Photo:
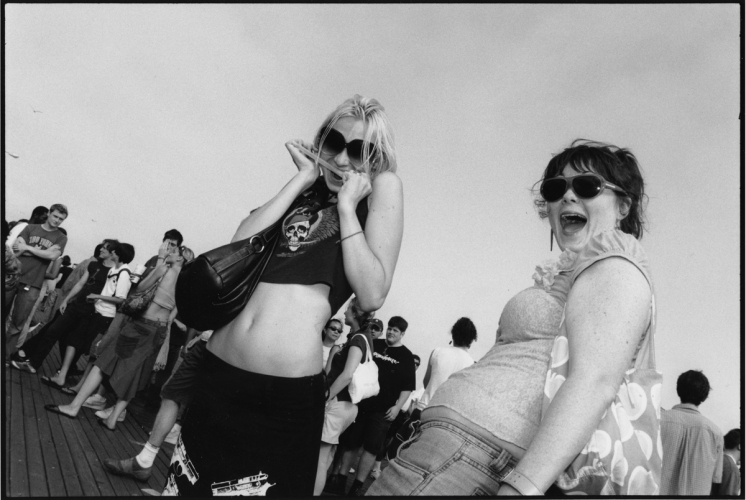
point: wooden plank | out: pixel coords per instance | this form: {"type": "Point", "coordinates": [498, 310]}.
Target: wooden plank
{"type": "Point", "coordinates": [64, 455]}
{"type": "Point", "coordinates": [104, 444]}
{"type": "Point", "coordinates": [71, 432]}
{"type": "Point", "coordinates": [55, 481]}
{"type": "Point", "coordinates": [34, 462]}
{"type": "Point", "coordinates": [18, 477]}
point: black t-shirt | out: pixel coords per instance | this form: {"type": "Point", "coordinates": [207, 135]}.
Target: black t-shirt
{"type": "Point", "coordinates": [309, 248]}
{"type": "Point", "coordinates": [396, 373]}
{"type": "Point", "coordinates": [97, 274]}
{"type": "Point", "coordinates": [65, 272]}
{"type": "Point", "coordinates": [340, 360]}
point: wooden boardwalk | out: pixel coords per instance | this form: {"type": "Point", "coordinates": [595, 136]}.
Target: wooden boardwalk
{"type": "Point", "coordinates": [51, 455]}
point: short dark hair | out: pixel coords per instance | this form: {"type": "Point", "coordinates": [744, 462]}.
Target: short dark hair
{"type": "Point", "coordinates": [398, 322]}
{"type": "Point", "coordinates": [97, 251]}
{"type": "Point", "coordinates": [693, 387]}
{"type": "Point", "coordinates": [463, 332]}
{"type": "Point", "coordinates": [39, 215]}
{"type": "Point", "coordinates": [124, 251]}
{"type": "Point", "coordinates": [66, 260]}
{"type": "Point", "coordinates": [617, 165]}
{"type": "Point", "coordinates": [173, 234]}
{"type": "Point", "coordinates": [732, 439]}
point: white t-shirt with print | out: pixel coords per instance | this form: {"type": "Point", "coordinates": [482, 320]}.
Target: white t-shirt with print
{"type": "Point", "coordinates": [117, 285]}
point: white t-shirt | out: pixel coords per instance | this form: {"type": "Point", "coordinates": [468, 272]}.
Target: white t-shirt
{"type": "Point", "coordinates": [444, 361]}
{"type": "Point", "coordinates": [325, 355]}
{"type": "Point", "coordinates": [117, 285]}
{"type": "Point", "coordinates": [13, 235]}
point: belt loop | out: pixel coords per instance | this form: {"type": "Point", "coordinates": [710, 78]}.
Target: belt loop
{"type": "Point", "coordinates": [500, 464]}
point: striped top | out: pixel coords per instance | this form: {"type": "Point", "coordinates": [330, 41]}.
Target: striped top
{"type": "Point", "coordinates": [692, 452]}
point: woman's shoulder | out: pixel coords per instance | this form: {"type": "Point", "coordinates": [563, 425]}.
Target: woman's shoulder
{"type": "Point", "coordinates": [614, 243]}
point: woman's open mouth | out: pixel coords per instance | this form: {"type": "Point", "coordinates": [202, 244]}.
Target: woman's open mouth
{"type": "Point", "coordinates": [572, 223]}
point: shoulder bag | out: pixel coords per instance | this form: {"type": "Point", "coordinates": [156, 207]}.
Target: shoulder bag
{"type": "Point", "coordinates": [364, 382]}
{"type": "Point", "coordinates": [215, 287]}
{"type": "Point", "coordinates": [137, 302]}
{"type": "Point", "coordinates": [624, 453]}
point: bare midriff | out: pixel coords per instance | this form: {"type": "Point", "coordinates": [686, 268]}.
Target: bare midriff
{"type": "Point", "coordinates": [443, 413]}
{"type": "Point", "coordinates": [278, 333]}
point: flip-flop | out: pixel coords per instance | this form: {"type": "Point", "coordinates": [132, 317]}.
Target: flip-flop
{"type": "Point", "coordinates": [69, 391]}
{"type": "Point", "coordinates": [54, 385]}
{"type": "Point", "coordinates": [102, 422]}
{"type": "Point", "coordinates": [56, 409]}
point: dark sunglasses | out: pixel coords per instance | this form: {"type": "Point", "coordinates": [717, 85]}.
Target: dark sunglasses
{"type": "Point", "coordinates": [335, 143]}
{"type": "Point", "coordinates": [338, 330]}
{"type": "Point", "coordinates": [375, 329]}
{"type": "Point", "coordinates": [586, 186]}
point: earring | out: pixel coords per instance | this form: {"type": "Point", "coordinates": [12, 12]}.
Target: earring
{"type": "Point", "coordinates": [551, 240]}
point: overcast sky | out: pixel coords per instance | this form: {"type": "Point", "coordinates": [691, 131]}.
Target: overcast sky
{"type": "Point", "coordinates": [143, 118]}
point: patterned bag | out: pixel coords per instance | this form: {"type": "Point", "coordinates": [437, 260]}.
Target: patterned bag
{"type": "Point", "coordinates": [136, 303]}
{"type": "Point", "coordinates": [624, 454]}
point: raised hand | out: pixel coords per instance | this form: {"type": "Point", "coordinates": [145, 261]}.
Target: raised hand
{"type": "Point", "coordinates": [356, 187]}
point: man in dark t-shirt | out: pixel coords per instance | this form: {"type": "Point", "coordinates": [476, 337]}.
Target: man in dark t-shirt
{"type": "Point", "coordinates": [396, 378]}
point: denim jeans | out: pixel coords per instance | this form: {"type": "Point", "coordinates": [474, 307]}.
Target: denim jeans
{"type": "Point", "coordinates": [444, 459]}
{"type": "Point", "coordinates": [25, 297]}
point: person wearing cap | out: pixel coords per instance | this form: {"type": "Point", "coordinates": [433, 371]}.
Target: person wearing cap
{"type": "Point", "coordinates": [396, 378]}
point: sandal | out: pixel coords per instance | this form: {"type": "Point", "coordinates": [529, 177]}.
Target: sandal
{"type": "Point", "coordinates": [48, 381]}
{"type": "Point", "coordinates": [56, 409]}
{"type": "Point", "coordinates": [69, 391]}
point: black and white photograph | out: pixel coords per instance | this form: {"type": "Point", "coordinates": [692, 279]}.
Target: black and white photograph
{"type": "Point", "coordinates": [301, 250]}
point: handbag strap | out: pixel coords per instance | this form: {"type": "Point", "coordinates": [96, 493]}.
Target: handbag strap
{"type": "Point", "coordinates": [368, 354]}
{"type": "Point", "coordinates": [266, 239]}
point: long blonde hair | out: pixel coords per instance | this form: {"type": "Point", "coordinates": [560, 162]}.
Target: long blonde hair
{"type": "Point", "coordinates": [381, 155]}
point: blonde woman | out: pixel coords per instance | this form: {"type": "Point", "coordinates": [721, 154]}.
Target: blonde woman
{"type": "Point", "coordinates": [256, 418]}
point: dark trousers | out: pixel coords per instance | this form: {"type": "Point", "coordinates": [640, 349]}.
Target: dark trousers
{"type": "Point", "coordinates": [38, 347]}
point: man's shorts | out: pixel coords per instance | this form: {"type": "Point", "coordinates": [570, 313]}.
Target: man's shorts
{"type": "Point", "coordinates": [369, 431]}
{"type": "Point", "coordinates": [180, 386]}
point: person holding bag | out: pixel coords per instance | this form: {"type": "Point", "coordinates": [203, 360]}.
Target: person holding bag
{"type": "Point", "coordinates": [483, 431]}
{"type": "Point", "coordinates": [341, 407]}
{"type": "Point", "coordinates": [128, 361]}
{"type": "Point", "coordinates": [258, 407]}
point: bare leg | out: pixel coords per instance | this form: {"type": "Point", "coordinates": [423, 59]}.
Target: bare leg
{"type": "Point", "coordinates": [323, 465]}
{"type": "Point", "coordinates": [77, 386]}
{"type": "Point", "coordinates": [90, 384]}
{"type": "Point", "coordinates": [60, 376]}
{"type": "Point", "coordinates": [111, 422]}
{"type": "Point", "coordinates": [347, 460]}
{"type": "Point", "coordinates": [365, 466]}
{"type": "Point", "coordinates": [164, 422]}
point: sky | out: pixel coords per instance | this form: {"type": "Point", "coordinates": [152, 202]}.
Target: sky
{"type": "Point", "coordinates": [144, 118]}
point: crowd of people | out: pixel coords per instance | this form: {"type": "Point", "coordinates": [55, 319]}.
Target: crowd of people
{"type": "Point", "coordinates": [566, 401]}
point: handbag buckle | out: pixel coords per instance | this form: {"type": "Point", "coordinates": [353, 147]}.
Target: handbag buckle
{"type": "Point", "coordinates": [251, 242]}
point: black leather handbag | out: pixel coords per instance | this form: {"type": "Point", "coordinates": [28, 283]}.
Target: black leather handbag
{"type": "Point", "coordinates": [215, 287]}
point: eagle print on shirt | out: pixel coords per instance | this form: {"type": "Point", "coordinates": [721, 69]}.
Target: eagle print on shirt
{"type": "Point", "coordinates": [305, 227]}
